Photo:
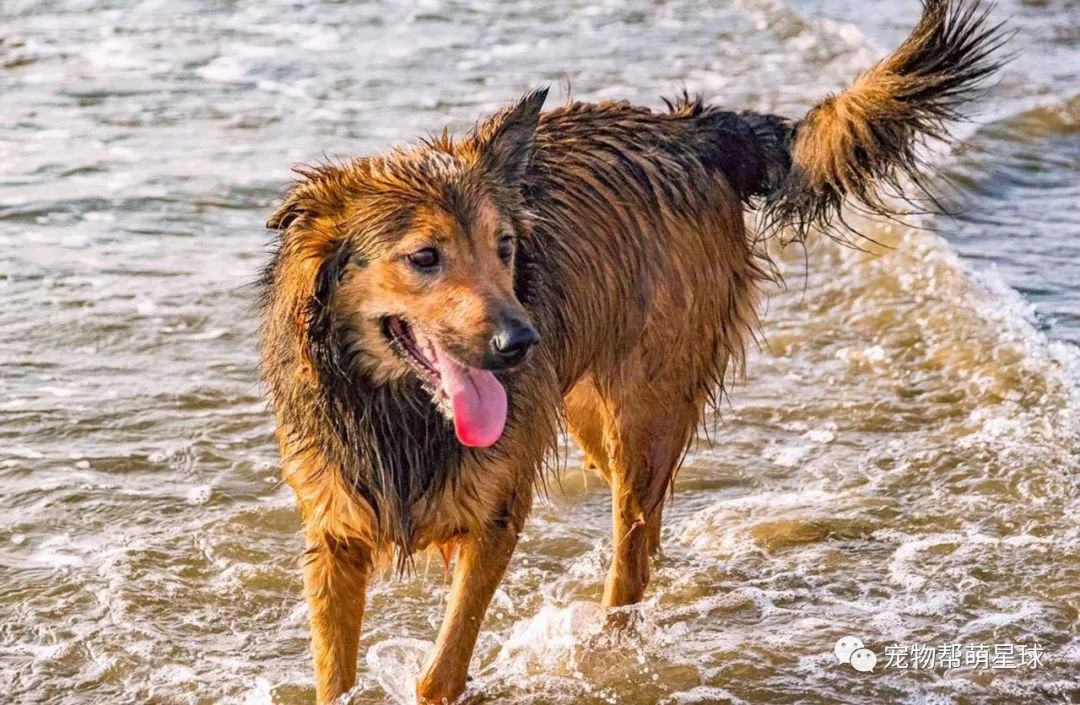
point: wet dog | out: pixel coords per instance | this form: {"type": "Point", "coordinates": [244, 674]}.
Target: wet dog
{"type": "Point", "coordinates": [432, 317]}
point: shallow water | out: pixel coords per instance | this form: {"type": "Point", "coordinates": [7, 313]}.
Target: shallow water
{"type": "Point", "coordinates": [900, 463]}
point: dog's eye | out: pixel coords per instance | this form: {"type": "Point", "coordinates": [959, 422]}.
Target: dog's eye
{"type": "Point", "coordinates": [425, 260]}
{"type": "Point", "coordinates": [506, 247]}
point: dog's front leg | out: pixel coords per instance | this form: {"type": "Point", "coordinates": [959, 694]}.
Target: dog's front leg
{"type": "Point", "coordinates": [335, 582]}
{"type": "Point", "coordinates": [482, 560]}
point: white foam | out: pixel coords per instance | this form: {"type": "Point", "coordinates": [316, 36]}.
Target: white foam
{"type": "Point", "coordinates": [787, 456]}
{"type": "Point", "coordinates": [261, 693]}
{"type": "Point", "coordinates": [721, 526]}
{"type": "Point", "coordinates": [907, 555]}
{"type": "Point", "coordinates": [825, 434]}
{"type": "Point", "coordinates": [705, 694]}
{"type": "Point", "coordinates": [223, 69]}
{"type": "Point", "coordinates": [199, 494]}
{"type": "Point", "coordinates": [1013, 611]}
{"type": "Point", "coordinates": [548, 638]}
{"type": "Point", "coordinates": [396, 665]}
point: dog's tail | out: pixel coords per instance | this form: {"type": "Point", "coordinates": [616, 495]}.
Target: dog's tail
{"type": "Point", "coordinates": [862, 143]}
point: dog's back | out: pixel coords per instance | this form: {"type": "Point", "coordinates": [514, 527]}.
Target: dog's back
{"type": "Point", "coordinates": [638, 233]}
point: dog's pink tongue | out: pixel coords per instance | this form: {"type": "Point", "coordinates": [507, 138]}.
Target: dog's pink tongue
{"type": "Point", "coordinates": [478, 400]}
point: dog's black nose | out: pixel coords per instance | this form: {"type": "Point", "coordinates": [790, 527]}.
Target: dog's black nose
{"type": "Point", "coordinates": [513, 343]}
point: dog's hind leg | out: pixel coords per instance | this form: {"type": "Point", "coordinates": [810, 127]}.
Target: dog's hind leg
{"type": "Point", "coordinates": [635, 439]}
{"type": "Point", "coordinates": [655, 523]}
{"type": "Point", "coordinates": [645, 443]}
{"type": "Point", "coordinates": [585, 415]}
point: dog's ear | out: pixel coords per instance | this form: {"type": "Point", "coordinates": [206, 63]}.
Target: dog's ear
{"type": "Point", "coordinates": [294, 205]}
{"type": "Point", "coordinates": [312, 257]}
{"type": "Point", "coordinates": [318, 191]}
{"type": "Point", "coordinates": [504, 142]}
{"type": "Point", "coordinates": [284, 215]}
{"type": "Point", "coordinates": [323, 348]}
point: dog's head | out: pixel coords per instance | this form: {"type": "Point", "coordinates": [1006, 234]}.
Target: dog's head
{"type": "Point", "coordinates": [407, 262]}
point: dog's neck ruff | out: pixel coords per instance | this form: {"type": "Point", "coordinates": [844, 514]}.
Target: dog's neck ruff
{"type": "Point", "coordinates": [393, 446]}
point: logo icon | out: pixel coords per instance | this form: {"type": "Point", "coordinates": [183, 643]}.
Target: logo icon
{"type": "Point", "coordinates": [851, 650]}
{"type": "Point", "coordinates": [863, 660]}
{"type": "Point", "coordinates": [846, 647]}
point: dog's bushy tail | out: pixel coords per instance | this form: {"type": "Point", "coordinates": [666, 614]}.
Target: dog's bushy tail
{"type": "Point", "coordinates": [861, 144]}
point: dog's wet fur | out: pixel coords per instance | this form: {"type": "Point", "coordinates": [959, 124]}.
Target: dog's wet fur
{"type": "Point", "coordinates": [612, 232]}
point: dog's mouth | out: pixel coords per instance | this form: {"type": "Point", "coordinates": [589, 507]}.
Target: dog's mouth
{"type": "Point", "coordinates": [472, 398]}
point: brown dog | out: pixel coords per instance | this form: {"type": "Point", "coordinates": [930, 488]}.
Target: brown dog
{"type": "Point", "coordinates": [433, 316]}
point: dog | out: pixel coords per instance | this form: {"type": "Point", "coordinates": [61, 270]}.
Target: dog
{"type": "Point", "coordinates": [434, 316]}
